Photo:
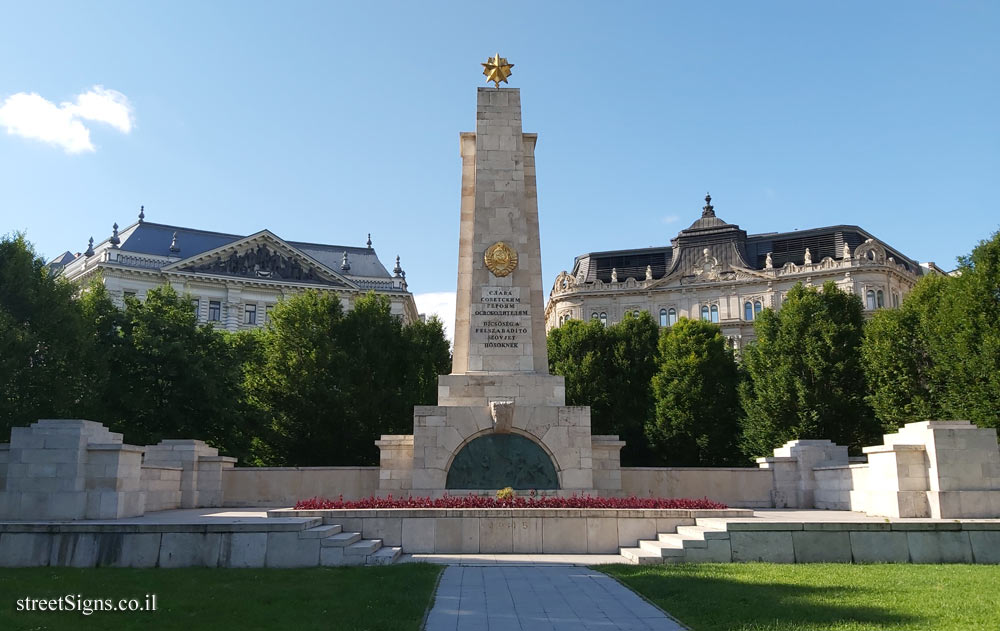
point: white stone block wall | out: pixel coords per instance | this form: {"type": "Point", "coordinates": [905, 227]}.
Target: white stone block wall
{"type": "Point", "coordinates": [793, 464]}
{"type": "Point", "coordinates": [162, 486]}
{"type": "Point", "coordinates": [395, 463]}
{"type": "Point", "coordinates": [70, 469]}
{"type": "Point", "coordinates": [607, 463]}
{"type": "Point", "coordinates": [960, 477]}
{"type": "Point", "coordinates": [835, 485]}
{"type": "Point", "coordinates": [201, 469]}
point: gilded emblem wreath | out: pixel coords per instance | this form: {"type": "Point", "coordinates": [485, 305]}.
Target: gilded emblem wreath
{"type": "Point", "coordinates": [501, 259]}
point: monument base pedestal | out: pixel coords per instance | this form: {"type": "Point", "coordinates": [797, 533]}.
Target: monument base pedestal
{"type": "Point", "coordinates": [547, 448]}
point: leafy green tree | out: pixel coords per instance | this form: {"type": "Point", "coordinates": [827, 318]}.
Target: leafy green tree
{"type": "Point", "coordinates": [905, 384]}
{"type": "Point", "coordinates": [965, 343]}
{"type": "Point", "coordinates": [330, 383]}
{"type": "Point", "coordinates": [298, 386]}
{"type": "Point", "coordinates": [633, 353]}
{"type": "Point", "coordinates": [171, 377]}
{"type": "Point", "coordinates": [429, 355]}
{"type": "Point", "coordinates": [697, 419]}
{"type": "Point", "coordinates": [42, 340]}
{"type": "Point", "coordinates": [609, 369]}
{"type": "Point", "coordinates": [804, 374]}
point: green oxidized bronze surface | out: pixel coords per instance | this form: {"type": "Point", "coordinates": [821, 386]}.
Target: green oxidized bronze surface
{"type": "Point", "coordinates": [496, 461]}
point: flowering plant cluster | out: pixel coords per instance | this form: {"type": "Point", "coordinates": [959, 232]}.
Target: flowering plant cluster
{"type": "Point", "coordinates": [486, 501]}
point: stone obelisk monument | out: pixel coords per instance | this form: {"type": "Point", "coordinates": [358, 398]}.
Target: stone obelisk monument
{"type": "Point", "coordinates": [501, 418]}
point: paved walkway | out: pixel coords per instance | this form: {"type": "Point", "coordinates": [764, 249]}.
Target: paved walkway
{"type": "Point", "coordinates": [533, 598]}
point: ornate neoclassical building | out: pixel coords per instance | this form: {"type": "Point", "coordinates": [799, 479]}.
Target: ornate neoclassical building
{"type": "Point", "coordinates": [715, 271]}
{"type": "Point", "coordinates": [232, 280]}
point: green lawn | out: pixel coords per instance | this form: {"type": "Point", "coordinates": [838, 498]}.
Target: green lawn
{"type": "Point", "coordinates": [384, 598]}
{"type": "Point", "coordinates": [759, 596]}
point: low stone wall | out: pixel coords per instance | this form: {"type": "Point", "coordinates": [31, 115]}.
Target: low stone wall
{"type": "Point", "coordinates": [154, 545]}
{"type": "Point", "coordinates": [896, 542]}
{"type": "Point", "coordinates": [746, 488]}
{"type": "Point", "coordinates": [283, 486]}
{"type": "Point", "coordinates": [510, 531]}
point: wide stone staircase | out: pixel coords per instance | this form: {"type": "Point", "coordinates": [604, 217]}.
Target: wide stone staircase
{"type": "Point", "coordinates": [705, 542]}
{"type": "Point", "coordinates": [337, 547]}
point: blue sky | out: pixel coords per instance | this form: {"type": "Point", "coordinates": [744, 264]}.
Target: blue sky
{"type": "Point", "coordinates": [326, 121]}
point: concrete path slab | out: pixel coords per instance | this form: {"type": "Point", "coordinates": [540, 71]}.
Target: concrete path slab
{"type": "Point", "coordinates": [537, 598]}
{"type": "Point", "coordinates": [513, 559]}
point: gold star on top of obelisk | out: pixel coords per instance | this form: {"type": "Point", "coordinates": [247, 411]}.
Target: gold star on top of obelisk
{"type": "Point", "coordinates": [497, 69]}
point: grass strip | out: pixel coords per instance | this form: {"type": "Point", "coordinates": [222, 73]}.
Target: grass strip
{"type": "Point", "coordinates": [821, 596]}
{"type": "Point", "coordinates": [392, 598]}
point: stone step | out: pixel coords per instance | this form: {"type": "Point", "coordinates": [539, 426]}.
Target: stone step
{"type": "Point", "coordinates": [320, 532]}
{"type": "Point", "coordinates": [363, 548]}
{"type": "Point", "coordinates": [663, 549]}
{"type": "Point", "coordinates": [702, 532]}
{"type": "Point", "coordinates": [386, 555]}
{"type": "Point", "coordinates": [639, 556]}
{"type": "Point", "coordinates": [340, 539]}
{"type": "Point", "coordinates": [711, 523]}
{"type": "Point", "coordinates": [681, 541]}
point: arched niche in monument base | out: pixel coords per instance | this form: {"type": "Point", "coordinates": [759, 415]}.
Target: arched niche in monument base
{"type": "Point", "coordinates": [496, 461]}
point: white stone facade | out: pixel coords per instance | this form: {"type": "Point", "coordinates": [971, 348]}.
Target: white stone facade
{"type": "Point", "coordinates": [714, 272]}
{"type": "Point", "coordinates": [233, 281]}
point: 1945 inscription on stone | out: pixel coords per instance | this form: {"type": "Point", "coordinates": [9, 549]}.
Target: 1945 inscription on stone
{"type": "Point", "coordinates": [500, 319]}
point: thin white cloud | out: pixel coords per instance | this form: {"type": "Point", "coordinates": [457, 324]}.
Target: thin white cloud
{"type": "Point", "coordinates": [441, 304]}
{"type": "Point", "coordinates": [30, 115]}
{"type": "Point", "coordinates": [105, 106]}
{"type": "Point", "coordinates": [670, 218]}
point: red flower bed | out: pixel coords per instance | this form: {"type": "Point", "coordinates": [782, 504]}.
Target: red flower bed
{"type": "Point", "coordinates": [485, 501]}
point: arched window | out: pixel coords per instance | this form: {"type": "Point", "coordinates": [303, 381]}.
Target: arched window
{"type": "Point", "coordinates": [636, 313]}
{"type": "Point", "coordinates": [593, 316]}
{"type": "Point", "coordinates": [880, 300]}
{"type": "Point", "coordinates": [663, 317]}
{"type": "Point", "coordinates": [756, 308]}
{"type": "Point", "coordinates": [672, 317]}
{"type": "Point", "coordinates": [870, 300]}
{"type": "Point", "coordinates": [715, 313]}
{"type": "Point", "coordinates": [748, 311]}
{"type": "Point", "coordinates": [895, 300]}
{"type": "Point", "coordinates": [704, 313]}
{"type": "Point", "coordinates": [604, 318]}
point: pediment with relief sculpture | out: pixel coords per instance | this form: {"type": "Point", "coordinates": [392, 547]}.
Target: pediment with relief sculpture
{"type": "Point", "coordinates": [261, 257]}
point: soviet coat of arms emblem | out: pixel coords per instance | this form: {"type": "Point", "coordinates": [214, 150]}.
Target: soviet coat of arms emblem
{"type": "Point", "coordinates": [501, 259]}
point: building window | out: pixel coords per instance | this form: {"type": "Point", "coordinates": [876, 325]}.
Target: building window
{"type": "Point", "coordinates": [604, 318]}
{"type": "Point", "coordinates": [870, 300]}
{"type": "Point", "coordinates": [663, 317]}
{"type": "Point", "coordinates": [594, 316]}
{"type": "Point", "coordinates": [129, 294]}
{"type": "Point", "coordinates": [267, 313]}
{"type": "Point", "coordinates": [756, 308]}
{"type": "Point", "coordinates": [251, 314]}
{"type": "Point", "coordinates": [672, 317]}
{"type": "Point", "coordinates": [196, 306]}
{"type": "Point", "coordinates": [704, 313]}
{"type": "Point", "coordinates": [635, 313]}
{"type": "Point", "coordinates": [748, 311]}
{"type": "Point", "coordinates": [895, 300]}
{"type": "Point", "coordinates": [214, 311]}
{"type": "Point", "coordinates": [715, 313]}
{"type": "Point", "coordinates": [880, 299]}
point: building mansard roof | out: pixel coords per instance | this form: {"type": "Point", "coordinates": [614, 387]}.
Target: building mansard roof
{"type": "Point", "coordinates": [711, 240]}
{"type": "Point", "coordinates": [262, 256]}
